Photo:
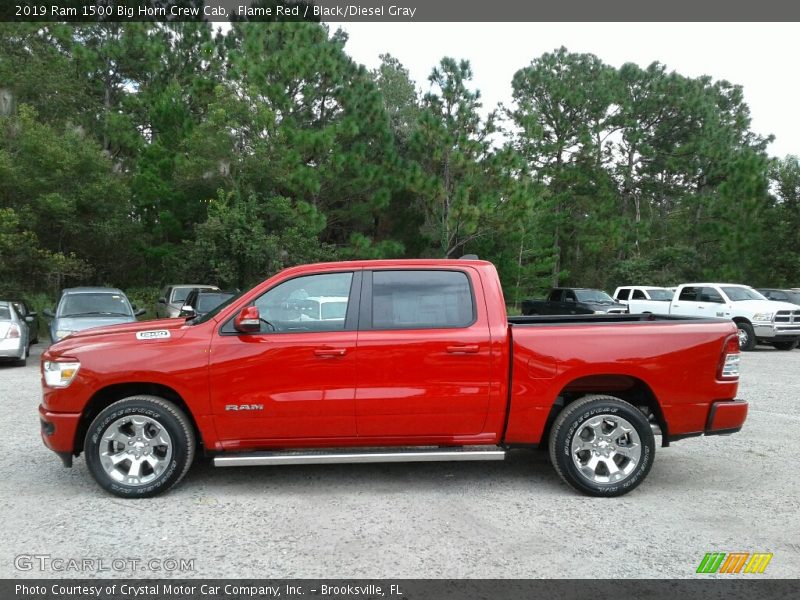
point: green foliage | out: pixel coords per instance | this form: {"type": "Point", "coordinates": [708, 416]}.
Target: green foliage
{"type": "Point", "coordinates": [142, 154]}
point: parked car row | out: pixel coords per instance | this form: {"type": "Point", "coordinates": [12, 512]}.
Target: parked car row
{"type": "Point", "coordinates": [769, 316]}
{"type": "Point", "coordinates": [18, 331]}
{"type": "Point", "coordinates": [81, 308]}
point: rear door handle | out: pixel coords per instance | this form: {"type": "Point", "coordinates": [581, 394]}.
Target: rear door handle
{"type": "Point", "coordinates": [330, 352]}
{"type": "Point", "coordinates": [468, 349]}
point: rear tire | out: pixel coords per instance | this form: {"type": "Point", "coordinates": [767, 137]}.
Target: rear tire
{"type": "Point", "coordinates": [747, 336]}
{"type": "Point", "coordinates": [785, 345]}
{"type": "Point", "coordinates": [140, 446]}
{"type": "Point", "coordinates": [602, 446]}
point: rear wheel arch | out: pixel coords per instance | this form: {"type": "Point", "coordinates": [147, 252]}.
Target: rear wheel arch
{"type": "Point", "coordinates": [627, 388]}
{"type": "Point", "coordinates": [107, 396]}
{"type": "Point", "coordinates": [602, 445]}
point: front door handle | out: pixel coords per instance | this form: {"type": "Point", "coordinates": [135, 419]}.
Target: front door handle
{"type": "Point", "coordinates": [330, 352]}
{"type": "Point", "coordinates": [468, 349]}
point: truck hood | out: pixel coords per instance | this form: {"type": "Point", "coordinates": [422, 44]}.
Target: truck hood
{"type": "Point", "coordinates": [149, 331]}
{"type": "Point", "coordinates": [762, 306]}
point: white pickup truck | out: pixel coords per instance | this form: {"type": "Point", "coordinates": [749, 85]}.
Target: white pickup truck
{"type": "Point", "coordinates": [758, 319]}
{"type": "Point", "coordinates": [644, 299]}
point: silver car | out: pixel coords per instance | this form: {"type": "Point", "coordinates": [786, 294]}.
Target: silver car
{"type": "Point", "coordinates": [173, 298]}
{"type": "Point", "coordinates": [84, 307]}
{"type": "Point", "coordinates": [15, 338]}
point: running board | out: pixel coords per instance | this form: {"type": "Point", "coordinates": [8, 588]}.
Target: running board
{"type": "Point", "coordinates": [371, 455]}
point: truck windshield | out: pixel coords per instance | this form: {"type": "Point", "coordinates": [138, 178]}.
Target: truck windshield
{"type": "Point", "coordinates": [593, 296]}
{"type": "Point", "coordinates": [660, 294]}
{"type": "Point", "coordinates": [737, 294]}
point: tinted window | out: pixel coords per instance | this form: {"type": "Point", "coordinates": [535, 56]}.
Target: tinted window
{"type": "Point", "coordinates": [180, 294]}
{"type": "Point", "coordinates": [420, 299]}
{"type": "Point", "coordinates": [638, 295]}
{"type": "Point", "coordinates": [294, 306]}
{"type": "Point", "coordinates": [738, 294]}
{"type": "Point", "coordinates": [688, 294]}
{"type": "Point", "coordinates": [94, 304]}
{"type": "Point", "coordinates": [623, 294]}
{"type": "Point", "coordinates": [656, 294]}
{"type": "Point", "coordinates": [5, 313]}
{"type": "Point", "coordinates": [594, 296]}
{"type": "Point", "coordinates": [708, 294]}
{"type": "Point", "coordinates": [206, 302]}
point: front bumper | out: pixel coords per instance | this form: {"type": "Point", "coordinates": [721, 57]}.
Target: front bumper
{"type": "Point", "coordinates": [777, 331]}
{"type": "Point", "coordinates": [58, 432]}
{"type": "Point", "coordinates": [726, 417]}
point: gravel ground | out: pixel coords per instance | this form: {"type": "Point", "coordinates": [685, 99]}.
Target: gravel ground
{"type": "Point", "coordinates": [511, 519]}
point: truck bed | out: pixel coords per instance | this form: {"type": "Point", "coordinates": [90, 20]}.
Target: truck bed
{"type": "Point", "coordinates": [662, 360]}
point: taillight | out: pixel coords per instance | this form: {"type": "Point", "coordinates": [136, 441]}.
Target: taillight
{"type": "Point", "coordinates": [729, 361]}
{"type": "Point", "coordinates": [13, 332]}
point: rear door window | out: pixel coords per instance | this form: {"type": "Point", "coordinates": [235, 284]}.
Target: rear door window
{"type": "Point", "coordinates": [639, 295]}
{"type": "Point", "coordinates": [421, 299]}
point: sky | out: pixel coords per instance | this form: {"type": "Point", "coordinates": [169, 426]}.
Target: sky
{"type": "Point", "coordinates": [761, 57]}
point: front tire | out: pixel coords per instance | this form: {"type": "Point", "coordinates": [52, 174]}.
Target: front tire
{"type": "Point", "coordinates": [140, 446]}
{"type": "Point", "coordinates": [602, 446]}
{"type": "Point", "coordinates": [785, 345]}
{"type": "Point", "coordinates": [747, 336]}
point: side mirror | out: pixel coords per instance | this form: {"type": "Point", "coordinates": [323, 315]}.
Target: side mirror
{"type": "Point", "coordinates": [139, 312]}
{"type": "Point", "coordinates": [248, 320]}
{"type": "Point", "coordinates": [29, 319]}
{"type": "Point", "coordinates": [162, 300]}
{"type": "Point", "coordinates": [187, 311]}
{"type": "Point", "coordinates": [32, 314]}
{"type": "Point", "coordinates": [49, 313]}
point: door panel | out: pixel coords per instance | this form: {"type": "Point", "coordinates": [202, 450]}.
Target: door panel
{"type": "Point", "coordinates": [417, 378]}
{"type": "Point", "coordinates": [296, 378]}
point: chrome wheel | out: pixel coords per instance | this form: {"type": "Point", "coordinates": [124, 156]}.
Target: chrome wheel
{"type": "Point", "coordinates": [743, 338]}
{"type": "Point", "coordinates": [135, 450]}
{"type": "Point", "coordinates": [606, 449]}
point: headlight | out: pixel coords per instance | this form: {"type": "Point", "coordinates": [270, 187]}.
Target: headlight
{"type": "Point", "coordinates": [762, 317]}
{"type": "Point", "coordinates": [62, 333]}
{"type": "Point", "coordinates": [60, 374]}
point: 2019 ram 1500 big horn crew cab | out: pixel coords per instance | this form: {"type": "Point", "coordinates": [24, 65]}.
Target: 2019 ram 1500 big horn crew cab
{"type": "Point", "coordinates": [423, 365]}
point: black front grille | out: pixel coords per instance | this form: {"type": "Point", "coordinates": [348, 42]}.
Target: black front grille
{"type": "Point", "coordinates": [787, 316]}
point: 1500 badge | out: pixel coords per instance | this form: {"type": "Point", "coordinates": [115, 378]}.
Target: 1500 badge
{"type": "Point", "coordinates": [244, 407]}
{"type": "Point", "coordinates": [153, 334]}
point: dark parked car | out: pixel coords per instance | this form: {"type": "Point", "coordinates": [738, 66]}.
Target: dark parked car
{"type": "Point", "coordinates": [791, 296]}
{"type": "Point", "coordinates": [84, 307]}
{"type": "Point", "coordinates": [573, 301]}
{"type": "Point", "coordinates": [33, 323]}
{"type": "Point", "coordinates": [14, 334]}
{"type": "Point", "coordinates": [201, 301]}
{"type": "Point", "coordinates": [173, 298]}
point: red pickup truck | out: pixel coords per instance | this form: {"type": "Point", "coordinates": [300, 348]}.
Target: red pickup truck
{"type": "Point", "coordinates": [386, 361]}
